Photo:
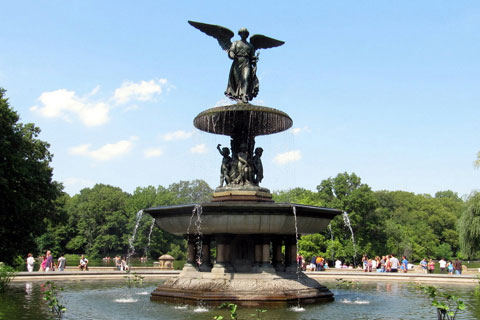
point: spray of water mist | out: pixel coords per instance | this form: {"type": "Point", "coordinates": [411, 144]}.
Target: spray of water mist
{"type": "Point", "coordinates": [346, 220]}
{"type": "Point", "coordinates": [131, 240]}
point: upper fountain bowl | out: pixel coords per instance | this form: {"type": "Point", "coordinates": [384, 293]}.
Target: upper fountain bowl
{"type": "Point", "coordinates": [246, 217]}
{"type": "Point", "coordinates": [243, 119]}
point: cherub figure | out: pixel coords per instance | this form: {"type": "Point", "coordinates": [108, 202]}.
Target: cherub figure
{"type": "Point", "coordinates": [244, 170]}
{"type": "Point", "coordinates": [257, 166]}
{"type": "Point", "coordinates": [225, 168]}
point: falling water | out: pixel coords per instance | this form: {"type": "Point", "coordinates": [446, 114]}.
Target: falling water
{"type": "Point", "coordinates": [331, 237]}
{"type": "Point", "coordinates": [198, 225]}
{"type": "Point", "coordinates": [131, 240]}
{"type": "Point", "coordinates": [197, 212]}
{"type": "Point", "coordinates": [346, 220]}
{"type": "Point", "coordinates": [149, 237]}
{"type": "Point", "coordinates": [294, 209]}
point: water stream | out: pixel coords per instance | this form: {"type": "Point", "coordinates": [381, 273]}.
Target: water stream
{"type": "Point", "coordinates": [197, 213]}
{"type": "Point", "coordinates": [331, 237]}
{"type": "Point", "coordinates": [298, 307]}
{"type": "Point", "coordinates": [346, 220]}
{"type": "Point", "coordinates": [131, 240]}
{"type": "Point", "coordinates": [149, 237]}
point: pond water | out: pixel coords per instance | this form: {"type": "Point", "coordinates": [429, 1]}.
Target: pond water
{"type": "Point", "coordinates": [113, 300]}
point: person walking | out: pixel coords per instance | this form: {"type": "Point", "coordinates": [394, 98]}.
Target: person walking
{"type": "Point", "coordinates": [394, 263]}
{"type": "Point", "coordinates": [49, 263]}
{"type": "Point", "coordinates": [442, 264]}
{"type": "Point", "coordinates": [431, 266]}
{"type": "Point", "coordinates": [450, 267]}
{"type": "Point", "coordinates": [424, 265]}
{"type": "Point", "coordinates": [30, 262]}
{"type": "Point", "coordinates": [61, 263]}
{"type": "Point", "coordinates": [457, 265]}
{"type": "Point", "coordinates": [404, 264]}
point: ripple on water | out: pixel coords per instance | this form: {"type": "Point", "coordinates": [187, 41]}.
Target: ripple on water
{"type": "Point", "coordinates": [200, 309]}
{"type": "Point", "coordinates": [144, 293]}
{"type": "Point", "coordinates": [357, 301]}
{"type": "Point", "coordinates": [180, 307]}
{"type": "Point", "coordinates": [128, 300]}
{"type": "Point", "coordinates": [296, 309]}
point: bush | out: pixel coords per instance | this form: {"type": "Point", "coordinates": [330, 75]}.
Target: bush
{"type": "Point", "coordinates": [6, 275]}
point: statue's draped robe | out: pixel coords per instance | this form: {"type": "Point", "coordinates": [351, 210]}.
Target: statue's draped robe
{"type": "Point", "coordinates": [242, 81]}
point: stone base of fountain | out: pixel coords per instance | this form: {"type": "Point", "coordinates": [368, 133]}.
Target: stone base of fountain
{"type": "Point", "coordinates": [250, 289]}
{"type": "Point", "coordinates": [242, 193]}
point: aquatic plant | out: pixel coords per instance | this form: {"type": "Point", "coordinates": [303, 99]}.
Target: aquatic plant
{"type": "Point", "coordinates": [50, 294]}
{"type": "Point", "coordinates": [6, 275]}
{"type": "Point", "coordinates": [135, 280]}
{"type": "Point", "coordinates": [447, 305]}
{"type": "Point", "coordinates": [258, 315]}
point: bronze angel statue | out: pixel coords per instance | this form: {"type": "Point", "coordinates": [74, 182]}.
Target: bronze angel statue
{"type": "Point", "coordinates": [242, 81]}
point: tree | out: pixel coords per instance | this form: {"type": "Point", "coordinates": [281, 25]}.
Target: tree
{"type": "Point", "coordinates": [476, 163]}
{"type": "Point", "coordinates": [27, 192]}
{"type": "Point", "coordinates": [469, 226]}
{"type": "Point", "coordinates": [195, 191]}
{"type": "Point", "coordinates": [160, 242]}
{"type": "Point", "coordinates": [346, 192]}
{"type": "Point", "coordinates": [99, 221]}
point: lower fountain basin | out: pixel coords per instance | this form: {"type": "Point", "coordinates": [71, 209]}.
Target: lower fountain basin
{"type": "Point", "coordinates": [244, 218]}
{"type": "Point", "coordinates": [247, 289]}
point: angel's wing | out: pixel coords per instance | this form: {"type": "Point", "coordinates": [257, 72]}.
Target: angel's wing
{"type": "Point", "coordinates": [262, 42]}
{"type": "Point", "coordinates": [222, 34]}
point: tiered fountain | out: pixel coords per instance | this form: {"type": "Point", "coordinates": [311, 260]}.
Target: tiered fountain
{"type": "Point", "coordinates": [255, 238]}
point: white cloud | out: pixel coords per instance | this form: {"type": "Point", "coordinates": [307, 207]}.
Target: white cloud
{"type": "Point", "coordinates": [142, 91]}
{"type": "Point", "coordinates": [106, 152]}
{"type": "Point", "coordinates": [286, 157]}
{"type": "Point", "coordinates": [177, 135]}
{"type": "Point", "coordinates": [68, 105]}
{"type": "Point", "coordinates": [153, 152]}
{"type": "Point", "coordinates": [131, 108]}
{"type": "Point", "coordinates": [297, 131]}
{"type": "Point", "coordinates": [199, 149]}
{"type": "Point", "coordinates": [64, 103]}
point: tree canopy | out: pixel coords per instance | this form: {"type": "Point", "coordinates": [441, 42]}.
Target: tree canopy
{"type": "Point", "coordinates": [27, 193]}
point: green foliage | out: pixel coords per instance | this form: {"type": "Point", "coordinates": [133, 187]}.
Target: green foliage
{"type": "Point", "coordinates": [477, 288]}
{"type": "Point", "coordinates": [6, 275]}
{"type": "Point", "coordinates": [134, 280]}
{"type": "Point", "coordinates": [50, 294]}
{"type": "Point", "coordinates": [232, 308]}
{"type": "Point", "coordinates": [258, 314]}
{"type": "Point", "coordinates": [19, 263]}
{"type": "Point", "coordinates": [195, 191]}
{"type": "Point", "coordinates": [27, 192]}
{"type": "Point", "coordinates": [447, 305]}
{"type": "Point", "coordinates": [469, 226]}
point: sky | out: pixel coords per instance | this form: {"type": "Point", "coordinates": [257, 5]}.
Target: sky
{"type": "Point", "coordinates": [389, 90]}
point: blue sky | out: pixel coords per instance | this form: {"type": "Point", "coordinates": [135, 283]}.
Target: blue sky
{"type": "Point", "coordinates": [386, 89]}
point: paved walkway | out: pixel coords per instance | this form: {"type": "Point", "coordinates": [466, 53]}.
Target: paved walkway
{"type": "Point", "coordinates": [154, 273]}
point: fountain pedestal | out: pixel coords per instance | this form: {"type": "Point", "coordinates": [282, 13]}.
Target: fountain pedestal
{"type": "Point", "coordinates": [250, 267]}
{"type": "Point", "coordinates": [249, 230]}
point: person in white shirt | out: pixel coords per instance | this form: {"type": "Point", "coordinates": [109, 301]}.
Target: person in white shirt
{"type": "Point", "coordinates": [443, 264]}
{"type": "Point", "coordinates": [338, 264]}
{"type": "Point", "coordinates": [83, 263]}
{"type": "Point", "coordinates": [30, 262]}
{"type": "Point", "coordinates": [394, 262]}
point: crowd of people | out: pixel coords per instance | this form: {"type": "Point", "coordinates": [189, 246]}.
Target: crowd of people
{"type": "Point", "coordinates": [388, 263]}
{"type": "Point", "coordinates": [48, 263]}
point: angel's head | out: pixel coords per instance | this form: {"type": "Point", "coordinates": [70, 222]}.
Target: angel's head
{"type": "Point", "coordinates": [243, 32]}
